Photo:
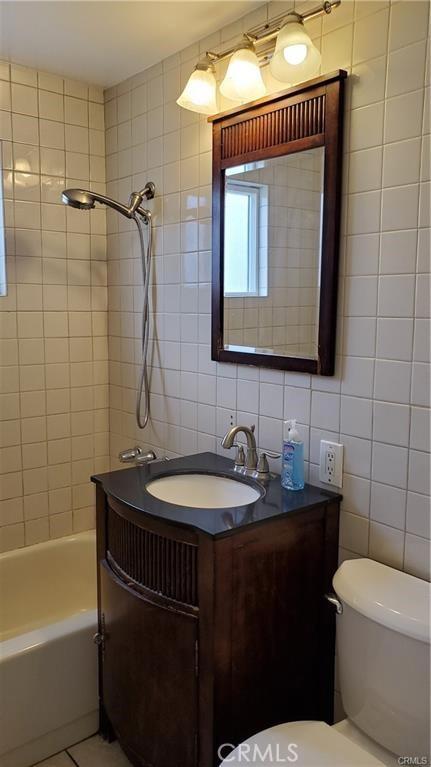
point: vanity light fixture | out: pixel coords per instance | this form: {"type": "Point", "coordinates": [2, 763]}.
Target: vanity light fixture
{"type": "Point", "coordinates": [294, 59]}
{"type": "Point", "coordinates": [200, 93]}
{"type": "Point", "coordinates": [243, 79]}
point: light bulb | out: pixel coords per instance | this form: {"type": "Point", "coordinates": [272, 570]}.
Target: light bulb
{"type": "Point", "coordinates": [199, 91]}
{"type": "Point", "coordinates": [295, 57]}
{"type": "Point", "coordinates": [295, 54]}
{"type": "Point", "coordinates": [243, 79]}
{"type": "Point", "coordinates": [199, 95]}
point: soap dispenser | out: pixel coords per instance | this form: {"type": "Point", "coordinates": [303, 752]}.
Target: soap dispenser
{"type": "Point", "coordinates": [292, 470]}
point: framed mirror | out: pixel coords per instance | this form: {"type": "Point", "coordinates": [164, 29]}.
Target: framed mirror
{"type": "Point", "coordinates": [276, 213]}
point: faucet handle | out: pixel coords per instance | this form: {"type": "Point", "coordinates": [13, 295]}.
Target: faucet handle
{"type": "Point", "coordinates": [252, 428]}
{"type": "Point", "coordinates": [272, 455]}
{"type": "Point", "coordinates": [262, 470]}
{"type": "Point", "coordinates": [145, 458]}
{"type": "Point", "coordinates": [130, 454]}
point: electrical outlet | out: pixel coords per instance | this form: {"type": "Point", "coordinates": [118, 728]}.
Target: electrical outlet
{"type": "Point", "coordinates": [331, 463]}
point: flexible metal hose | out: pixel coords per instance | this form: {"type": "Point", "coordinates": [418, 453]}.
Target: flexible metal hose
{"type": "Point", "coordinates": [146, 252]}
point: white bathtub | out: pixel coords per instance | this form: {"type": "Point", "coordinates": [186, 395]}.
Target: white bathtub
{"type": "Point", "coordinates": [48, 662]}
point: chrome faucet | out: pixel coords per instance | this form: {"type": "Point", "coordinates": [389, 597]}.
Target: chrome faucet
{"type": "Point", "coordinates": [136, 455]}
{"type": "Point", "coordinates": [251, 464]}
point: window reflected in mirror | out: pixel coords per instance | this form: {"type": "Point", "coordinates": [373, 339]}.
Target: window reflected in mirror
{"type": "Point", "coordinates": [272, 254]}
{"type": "Point", "coordinates": [3, 286]}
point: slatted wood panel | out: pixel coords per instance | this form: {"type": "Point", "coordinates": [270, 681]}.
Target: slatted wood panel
{"type": "Point", "coordinates": [163, 565]}
{"type": "Point", "coordinates": [290, 123]}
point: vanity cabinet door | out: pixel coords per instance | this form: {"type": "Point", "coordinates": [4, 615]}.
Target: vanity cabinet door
{"type": "Point", "coordinates": [149, 675]}
{"type": "Point", "coordinates": [279, 652]}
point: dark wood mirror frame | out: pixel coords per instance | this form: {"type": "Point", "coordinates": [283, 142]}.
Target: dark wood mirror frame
{"type": "Point", "coordinates": [300, 118]}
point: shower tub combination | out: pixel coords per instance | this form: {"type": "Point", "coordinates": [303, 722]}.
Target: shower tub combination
{"type": "Point", "coordinates": [48, 613]}
{"type": "Point", "coordinates": [48, 662]}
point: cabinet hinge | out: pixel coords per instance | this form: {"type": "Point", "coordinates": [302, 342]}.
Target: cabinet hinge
{"type": "Point", "coordinates": [99, 637]}
{"type": "Point", "coordinates": [196, 658]}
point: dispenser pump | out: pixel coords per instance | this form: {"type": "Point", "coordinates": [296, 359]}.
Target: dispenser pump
{"type": "Point", "coordinates": [291, 432]}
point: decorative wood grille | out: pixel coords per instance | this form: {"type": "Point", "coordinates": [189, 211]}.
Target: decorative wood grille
{"type": "Point", "coordinates": [290, 123]}
{"type": "Point", "coordinates": [163, 565]}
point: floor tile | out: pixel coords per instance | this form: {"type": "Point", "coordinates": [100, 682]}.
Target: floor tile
{"type": "Point", "coordinates": [96, 752]}
{"type": "Point", "coordinates": [59, 760]}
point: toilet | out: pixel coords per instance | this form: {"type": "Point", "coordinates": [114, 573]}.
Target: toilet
{"type": "Point", "coordinates": [383, 647]}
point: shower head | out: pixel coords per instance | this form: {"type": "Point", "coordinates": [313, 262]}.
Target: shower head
{"type": "Point", "coordinates": [78, 198]}
{"type": "Point", "coordinates": [83, 199]}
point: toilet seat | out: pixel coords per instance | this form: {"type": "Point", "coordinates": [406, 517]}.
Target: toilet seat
{"type": "Point", "coordinates": [318, 745]}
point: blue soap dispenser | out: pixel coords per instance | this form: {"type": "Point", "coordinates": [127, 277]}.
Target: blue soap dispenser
{"type": "Point", "coordinates": [292, 470]}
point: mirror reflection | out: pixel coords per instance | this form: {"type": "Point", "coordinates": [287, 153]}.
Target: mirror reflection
{"type": "Point", "coordinates": [272, 249]}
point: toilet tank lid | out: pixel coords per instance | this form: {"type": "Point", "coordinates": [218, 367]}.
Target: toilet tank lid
{"type": "Point", "coordinates": [394, 599]}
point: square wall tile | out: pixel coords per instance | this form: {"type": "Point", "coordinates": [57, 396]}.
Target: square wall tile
{"type": "Point", "coordinates": [401, 162]}
{"type": "Point", "coordinates": [403, 116]}
{"type": "Point", "coordinates": [391, 423]}
{"type": "Point", "coordinates": [417, 557]}
{"type": "Point", "coordinates": [371, 36]}
{"type": "Point", "coordinates": [396, 296]}
{"type": "Point", "coordinates": [400, 207]}
{"type": "Point", "coordinates": [388, 505]}
{"type": "Point", "coordinates": [390, 465]}
{"type": "Point", "coordinates": [395, 339]}
{"type": "Point", "coordinates": [386, 545]}
{"type": "Point", "coordinates": [409, 22]}
{"type": "Point", "coordinates": [406, 68]}
{"type": "Point", "coordinates": [366, 129]}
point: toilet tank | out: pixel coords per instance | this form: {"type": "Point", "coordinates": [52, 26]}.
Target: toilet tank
{"type": "Point", "coordinates": [383, 645]}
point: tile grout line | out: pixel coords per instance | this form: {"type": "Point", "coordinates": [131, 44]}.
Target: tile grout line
{"type": "Point", "coordinates": [376, 330]}
{"type": "Point", "coordinates": [71, 757]}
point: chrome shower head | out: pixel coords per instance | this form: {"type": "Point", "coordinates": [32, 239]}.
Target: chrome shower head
{"type": "Point", "coordinates": [78, 198]}
{"type": "Point", "coordinates": [83, 199]}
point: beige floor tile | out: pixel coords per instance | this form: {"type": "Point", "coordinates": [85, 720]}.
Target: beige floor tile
{"type": "Point", "coordinates": [95, 752]}
{"type": "Point", "coordinates": [59, 760]}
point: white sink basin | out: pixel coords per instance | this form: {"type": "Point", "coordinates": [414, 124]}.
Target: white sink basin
{"type": "Point", "coordinates": [203, 491]}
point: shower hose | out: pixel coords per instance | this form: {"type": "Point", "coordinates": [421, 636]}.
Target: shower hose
{"type": "Point", "coordinates": [143, 397]}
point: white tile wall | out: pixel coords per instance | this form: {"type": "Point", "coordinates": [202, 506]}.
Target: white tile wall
{"type": "Point", "coordinates": [377, 402]}
{"type": "Point", "coordinates": [53, 322]}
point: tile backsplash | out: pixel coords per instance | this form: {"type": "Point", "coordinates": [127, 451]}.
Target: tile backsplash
{"type": "Point", "coordinates": [377, 403]}
{"type": "Point", "coordinates": [53, 322]}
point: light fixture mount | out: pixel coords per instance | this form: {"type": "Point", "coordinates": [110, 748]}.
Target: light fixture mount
{"type": "Point", "coordinates": [294, 16]}
{"type": "Point", "coordinates": [206, 63]}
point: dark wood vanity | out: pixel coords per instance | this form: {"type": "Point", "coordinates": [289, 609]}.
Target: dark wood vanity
{"type": "Point", "coordinates": [212, 623]}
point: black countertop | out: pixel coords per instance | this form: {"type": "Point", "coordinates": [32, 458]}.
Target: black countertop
{"type": "Point", "coordinates": [129, 486]}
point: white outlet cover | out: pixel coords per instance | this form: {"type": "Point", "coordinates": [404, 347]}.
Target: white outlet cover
{"type": "Point", "coordinates": [331, 463]}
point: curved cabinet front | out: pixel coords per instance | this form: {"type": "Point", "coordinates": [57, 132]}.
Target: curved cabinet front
{"type": "Point", "coordinates": [148, 670]}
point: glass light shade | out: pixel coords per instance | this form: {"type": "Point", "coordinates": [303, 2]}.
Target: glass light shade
{"type": "Point", "coordinates": [243, 79]}
{"type": "Point", "coordinates": [200, 94]}
{"type": "Point", "coordinates": [295, 57]}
